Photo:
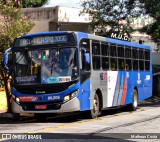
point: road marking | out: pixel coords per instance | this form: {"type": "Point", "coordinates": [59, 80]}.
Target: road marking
{"type": "Point", "coordinates": [49, 129]}
{"type": "Point", "coordinates": [66, 125]}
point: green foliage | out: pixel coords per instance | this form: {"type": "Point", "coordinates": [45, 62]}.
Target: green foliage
{"type": "Point", "coordinates": [12, 25]}
{"type": "Point", "coordinates": [153, 30]}
{"type": "Point", "coordinates": [26, 3]}
{"type": "Point", "coordinates": [153, 10]}
{"type": "Point", "coordinates": [112, 13]}
{"type": "Point", "coordinates": [33, 3]}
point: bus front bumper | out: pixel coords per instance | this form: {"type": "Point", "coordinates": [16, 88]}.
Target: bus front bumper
{"type": "Point", "coordinates": [70, 106]}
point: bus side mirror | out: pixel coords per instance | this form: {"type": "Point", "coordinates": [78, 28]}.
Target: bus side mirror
{"type": "Point", "coordinates": [6, 59]}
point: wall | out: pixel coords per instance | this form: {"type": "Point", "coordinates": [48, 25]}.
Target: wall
{"type": "Point", "coordinates": [47, 19]}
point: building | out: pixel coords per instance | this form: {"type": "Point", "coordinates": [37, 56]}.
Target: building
{"type": "Point", "coordinates": [57, 18]}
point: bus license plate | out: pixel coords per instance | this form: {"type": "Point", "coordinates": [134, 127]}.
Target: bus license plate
{"type": "Point", "coordinates": [40, 106]}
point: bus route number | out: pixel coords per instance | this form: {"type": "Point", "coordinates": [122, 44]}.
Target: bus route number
{"type": "Point", "coordinates": [50, 98]}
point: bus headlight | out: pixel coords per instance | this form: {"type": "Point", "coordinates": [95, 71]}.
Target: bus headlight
{"type": "Point", "coordinates": [66, 98]}
{"type": "Point", "coordinates": [17, 100]}
{"type": "Point", "coordinates": [70, 96]}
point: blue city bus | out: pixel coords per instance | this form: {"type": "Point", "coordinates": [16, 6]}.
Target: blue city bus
{"type": "Point", "coordinates": [65, 71]}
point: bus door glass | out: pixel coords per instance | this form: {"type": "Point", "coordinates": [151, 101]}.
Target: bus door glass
{"type": "Point", "coordinates": [85, 59]}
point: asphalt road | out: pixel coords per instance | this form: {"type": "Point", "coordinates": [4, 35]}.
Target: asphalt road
{"type": "Point", "coordinates": [113, 125]}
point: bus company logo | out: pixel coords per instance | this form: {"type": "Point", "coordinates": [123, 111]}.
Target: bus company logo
{"type": "Point", "coordinates": [103, 76]}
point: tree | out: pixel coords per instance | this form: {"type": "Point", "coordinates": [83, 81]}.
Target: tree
{"type": "Point", "coordinates": [112, 14]}
{"type": "Point", "coordinates": [153, 10]}
{"type": "Point", "coordinates": [12, 25]}
{"type": "Point", "coordinates": [27, 3]}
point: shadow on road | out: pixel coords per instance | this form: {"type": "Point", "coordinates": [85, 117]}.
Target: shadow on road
{"type": "Point", "coordinates": [153, 101]}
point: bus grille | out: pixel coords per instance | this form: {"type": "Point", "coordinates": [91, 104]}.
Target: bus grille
{"type": "Point", "coordinates": [48, 89]}
{"type": "Point", "coordinates": [31, 106]}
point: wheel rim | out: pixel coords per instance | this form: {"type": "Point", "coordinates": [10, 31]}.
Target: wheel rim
{"type": "Point", "coordinates": [135, 102]}
{"type": "Point", "coordinates": [96, 105]}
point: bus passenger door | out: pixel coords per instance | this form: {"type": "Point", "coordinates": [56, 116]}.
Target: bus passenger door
{"type": "Point", "coordinates": [85, 74]}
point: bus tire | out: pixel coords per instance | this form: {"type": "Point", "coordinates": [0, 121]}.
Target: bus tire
{"type": "Point", "coordinates": [40, 117]}
{"type": "Point", "coordinates": [95, 111]}
{"type": "Point", "coordinates": [134, 105]}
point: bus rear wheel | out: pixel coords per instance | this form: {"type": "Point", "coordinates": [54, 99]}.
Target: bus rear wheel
{"type": "Point", "coordinates": [95, 111]}
{"type": "Point", "coordinates": [134, 105]}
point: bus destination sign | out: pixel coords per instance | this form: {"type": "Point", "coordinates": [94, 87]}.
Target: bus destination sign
{"type": "Point", "coordinates": [41, 40]}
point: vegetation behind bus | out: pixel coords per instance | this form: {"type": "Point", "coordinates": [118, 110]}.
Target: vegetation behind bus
{"type": "Point", "coordinates": [12, 25]}
{"type": "Point", "coordinates": [27, 3]}
{"type": "Point", "coordinates": [153, 10]}
{"type": "Point", "coordinates": [111, 14]}
{"type": "Point", "coordinates": [117, 14]}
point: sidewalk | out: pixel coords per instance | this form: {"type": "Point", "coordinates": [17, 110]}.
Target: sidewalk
{"type": "Point", "coordinates": [3, 104]}
{"type": "Point", "coordinates": [3, 101]}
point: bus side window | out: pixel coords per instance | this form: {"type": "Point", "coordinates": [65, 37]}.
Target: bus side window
{"type": "Point", "coordinates": [121, 64]}
{"type": "Point", "coordinates": [128, 64]}
{"type": "Point", "coordinates": [121, 61]}
{"type": "Point", "coordinates": [105, 63]}
{"type": "Point", "coordinates": [105, 56]}
{"type": "Point", "coordinates": [96, 55]}
{"type": "Point", "coordinates": [113, 64]}
{"type": "Point", "coordinates": [141, 59]}
{"type": "Point", "coordinates": [147, 60]}
{"type": "Point", "coordinates": [135, 59]}
{"type": "Point", "coordinates": [128, 56]}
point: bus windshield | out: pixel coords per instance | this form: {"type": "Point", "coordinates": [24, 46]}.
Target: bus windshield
{"type": "Point", "coordinates": [46, 66]}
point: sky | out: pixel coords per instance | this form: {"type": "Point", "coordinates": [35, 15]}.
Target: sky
{"type": "Point", "coordinates": [68, 3]}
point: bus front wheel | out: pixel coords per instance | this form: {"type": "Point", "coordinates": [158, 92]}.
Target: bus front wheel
{"type": "Point", "coordinates": [133, 106]}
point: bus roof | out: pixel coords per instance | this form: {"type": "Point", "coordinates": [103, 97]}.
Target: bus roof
{"type": "Point", "coordinates": [91, 36]}
{"type": "Point", "coordinates": [43, 33]}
